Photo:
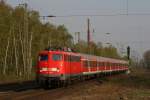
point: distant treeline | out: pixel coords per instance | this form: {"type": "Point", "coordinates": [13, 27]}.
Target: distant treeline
{"type": "Point", "coordinates": [23, 35]}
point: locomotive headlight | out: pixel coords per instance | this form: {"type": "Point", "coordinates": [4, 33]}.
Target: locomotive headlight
{"type": "Point", "coordinates": [44, 69]}
{"type": "Point", "coordinates": [55, 69]}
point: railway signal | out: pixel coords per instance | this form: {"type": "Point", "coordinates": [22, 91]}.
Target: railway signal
{"type": "Point", "coordinates": [128, 52]}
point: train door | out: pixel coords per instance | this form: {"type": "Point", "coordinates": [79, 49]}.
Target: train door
{"type": "Point", "coordinates": [75, 65]}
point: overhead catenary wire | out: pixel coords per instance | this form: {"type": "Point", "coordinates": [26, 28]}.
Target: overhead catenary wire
{"type": "Point", "coordinates": [98, 15]}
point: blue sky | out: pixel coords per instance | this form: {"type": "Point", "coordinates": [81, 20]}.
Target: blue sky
{"type": "Point", "coordinates": [133, 30]}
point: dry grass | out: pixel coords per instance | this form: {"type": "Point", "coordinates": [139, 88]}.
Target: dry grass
{"type": "Point", "coordinates": [135, 86]}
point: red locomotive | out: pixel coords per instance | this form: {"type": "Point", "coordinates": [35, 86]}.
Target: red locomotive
{"type": "Point", "coordinates": [57, 66]}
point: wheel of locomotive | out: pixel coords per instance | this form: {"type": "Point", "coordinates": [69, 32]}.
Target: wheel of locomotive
{"type": "Point", "coordinates": [69, 82]}
{"type": "Point", "coordinates": [64, 83]}
{"type": "Point", "coordinates": [47, 84]}
{"type": "Point", "coordinates": [56, 83]}
{"type": "Point", "coordinates": [60, 83]}
{"type": "Point", "coordinates": [82, 78]}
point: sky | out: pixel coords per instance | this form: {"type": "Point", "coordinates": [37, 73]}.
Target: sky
{"type": "Point", "coordinates": [132, 29]}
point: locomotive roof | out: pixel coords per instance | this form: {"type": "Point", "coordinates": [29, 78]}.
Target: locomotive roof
{"type": "Point", "coordinates": [88, 57]}
{"type": "Point", "coordinates": [103, 59]}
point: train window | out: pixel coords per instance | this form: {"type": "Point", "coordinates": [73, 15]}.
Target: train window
{"type": "Point", "coordinates": [75, 59]}
{"type": "Point", "coordinates": [103, 64]}
{"type": "Point", "coordinates": [95, 63]}
{"type": "Point", "coordinates": [85, 63]}
{"type": "Point", "coordinates": [90, 63]}
{"type": "Point", "coordinates": [106, 64]}
{"type": "Point", "coordinates": [115, 64]}
{"type": "Point", "coordinates": [43, 57]}
{"type": "Point", "coordinates": [99, 64]}
{"type": "Point", "coordinates": [110, 64]}
{"type": "Point", "coordinates": [57, 57]}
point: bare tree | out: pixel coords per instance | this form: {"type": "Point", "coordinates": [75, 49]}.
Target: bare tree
{"type": "Point", "coordinates": [16, 55]}
{"type": "Point", "coordinates": [6, 54]}
{"type": "Point", "coordinates": [147, 58]}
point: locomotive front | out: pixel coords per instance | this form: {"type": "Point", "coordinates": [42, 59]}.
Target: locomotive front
{"type": "Point", "coordinates": [50, 67]}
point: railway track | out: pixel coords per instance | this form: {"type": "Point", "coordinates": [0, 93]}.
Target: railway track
{"type": "Point", "coordinates": [7, 90]}
{"type": "Point", "coordinates": [18, 86]}
{"type": "Point", "coordinates": [30, 91]}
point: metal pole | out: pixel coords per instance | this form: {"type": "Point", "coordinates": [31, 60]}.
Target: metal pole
{"type": "Point", "coordinates": [78, 37]}
{"type": "Point", "coordinates": [127, 6]}
{"type": "Point", "coordinates": [88, 31]}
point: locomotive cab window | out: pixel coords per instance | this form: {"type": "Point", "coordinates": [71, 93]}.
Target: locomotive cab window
{"type": "Point", "coordinates": [43, 57]}
{"type": "Point", "coordinates": [57, 57]}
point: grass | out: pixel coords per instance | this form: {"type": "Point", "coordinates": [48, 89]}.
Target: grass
{"type": "Point", "coordinates": [135, 86]}
{"type": "Point", "coordinates": [136, 79]}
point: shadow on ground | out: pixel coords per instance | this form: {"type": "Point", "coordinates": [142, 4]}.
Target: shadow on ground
{"type": "Point", "coordinates": [19, 86]}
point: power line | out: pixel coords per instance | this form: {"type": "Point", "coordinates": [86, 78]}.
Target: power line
{"type": "Point", "coordinates": [99, 15]}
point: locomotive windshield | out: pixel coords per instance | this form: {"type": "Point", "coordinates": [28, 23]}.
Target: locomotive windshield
{"type": "Point", "coordinates": [57, 57]}
{"type": "Point", "coordinates": [43, 57]}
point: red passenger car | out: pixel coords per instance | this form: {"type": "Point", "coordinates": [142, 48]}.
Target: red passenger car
{"type": "Point", "coordinates": [62, 66]}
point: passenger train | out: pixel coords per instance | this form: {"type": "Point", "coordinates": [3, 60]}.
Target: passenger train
{"type": "Point", "coordinates": [61, 66]}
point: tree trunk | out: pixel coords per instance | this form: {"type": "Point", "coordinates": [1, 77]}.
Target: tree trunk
{"type": "Point", "coordinates": [16, 57]}
{"type": "Point", "coordinates": [6, 55]}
